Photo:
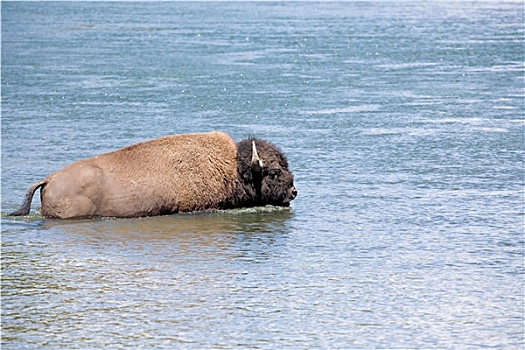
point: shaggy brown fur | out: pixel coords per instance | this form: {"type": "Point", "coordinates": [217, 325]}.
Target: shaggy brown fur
{"type": "Point", "coordinates": [179, 173]}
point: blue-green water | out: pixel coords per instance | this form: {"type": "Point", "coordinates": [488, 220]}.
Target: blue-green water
{"type": "Point", "coordinates": [403, 124]}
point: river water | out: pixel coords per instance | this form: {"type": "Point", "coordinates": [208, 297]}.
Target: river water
{"type": "Point", "coordinates": [403, 125]}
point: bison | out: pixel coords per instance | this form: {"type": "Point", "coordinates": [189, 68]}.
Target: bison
{"type": "Point", "coordinates": [167, 175]}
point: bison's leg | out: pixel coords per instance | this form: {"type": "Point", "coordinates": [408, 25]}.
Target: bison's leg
{"type": "Point", "coordinates": [65, 207]}
{"type": "Point", "coordinates": [73, 192]}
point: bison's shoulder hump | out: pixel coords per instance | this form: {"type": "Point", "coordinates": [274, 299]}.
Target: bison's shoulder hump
{"type": "Point", "coordinates": [215, 142]}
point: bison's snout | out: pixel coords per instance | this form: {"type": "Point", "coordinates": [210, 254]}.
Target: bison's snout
{"type": "Point", "coordinates": [293, 192]}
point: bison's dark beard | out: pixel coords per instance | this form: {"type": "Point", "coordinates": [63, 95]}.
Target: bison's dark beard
{"type": "Point", "coordinates": [267, 186]}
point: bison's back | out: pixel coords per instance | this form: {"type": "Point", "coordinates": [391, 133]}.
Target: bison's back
{"type": "Point", "coordinates": [170, 174]}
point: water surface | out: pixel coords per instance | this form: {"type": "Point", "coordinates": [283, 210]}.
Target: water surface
{"type": "Point", "coordinates": [403, 125]}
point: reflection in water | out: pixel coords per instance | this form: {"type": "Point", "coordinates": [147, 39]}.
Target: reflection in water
{"type": "Point", "coordinates": [263, 219]}
{"type": "Point", "coordinates": [185, 232]}
{"type": "Point", "coordinates": [213, 228]}
{"type": "Point", "coordinates": [96, 276]}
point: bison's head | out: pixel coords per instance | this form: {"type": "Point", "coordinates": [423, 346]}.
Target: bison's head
{"type": "Point", "coordinates": [263, 171]}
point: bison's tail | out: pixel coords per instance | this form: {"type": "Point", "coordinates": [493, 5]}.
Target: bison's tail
{"type": "Point", "coordinates": [26, 204]}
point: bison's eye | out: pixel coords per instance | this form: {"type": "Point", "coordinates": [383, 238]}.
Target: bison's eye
{"type": "Point", "coordinates": [274, 173]}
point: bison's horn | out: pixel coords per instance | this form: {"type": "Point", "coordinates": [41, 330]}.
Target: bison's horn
{"type": "Point", "coordinates": [257, 163]}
